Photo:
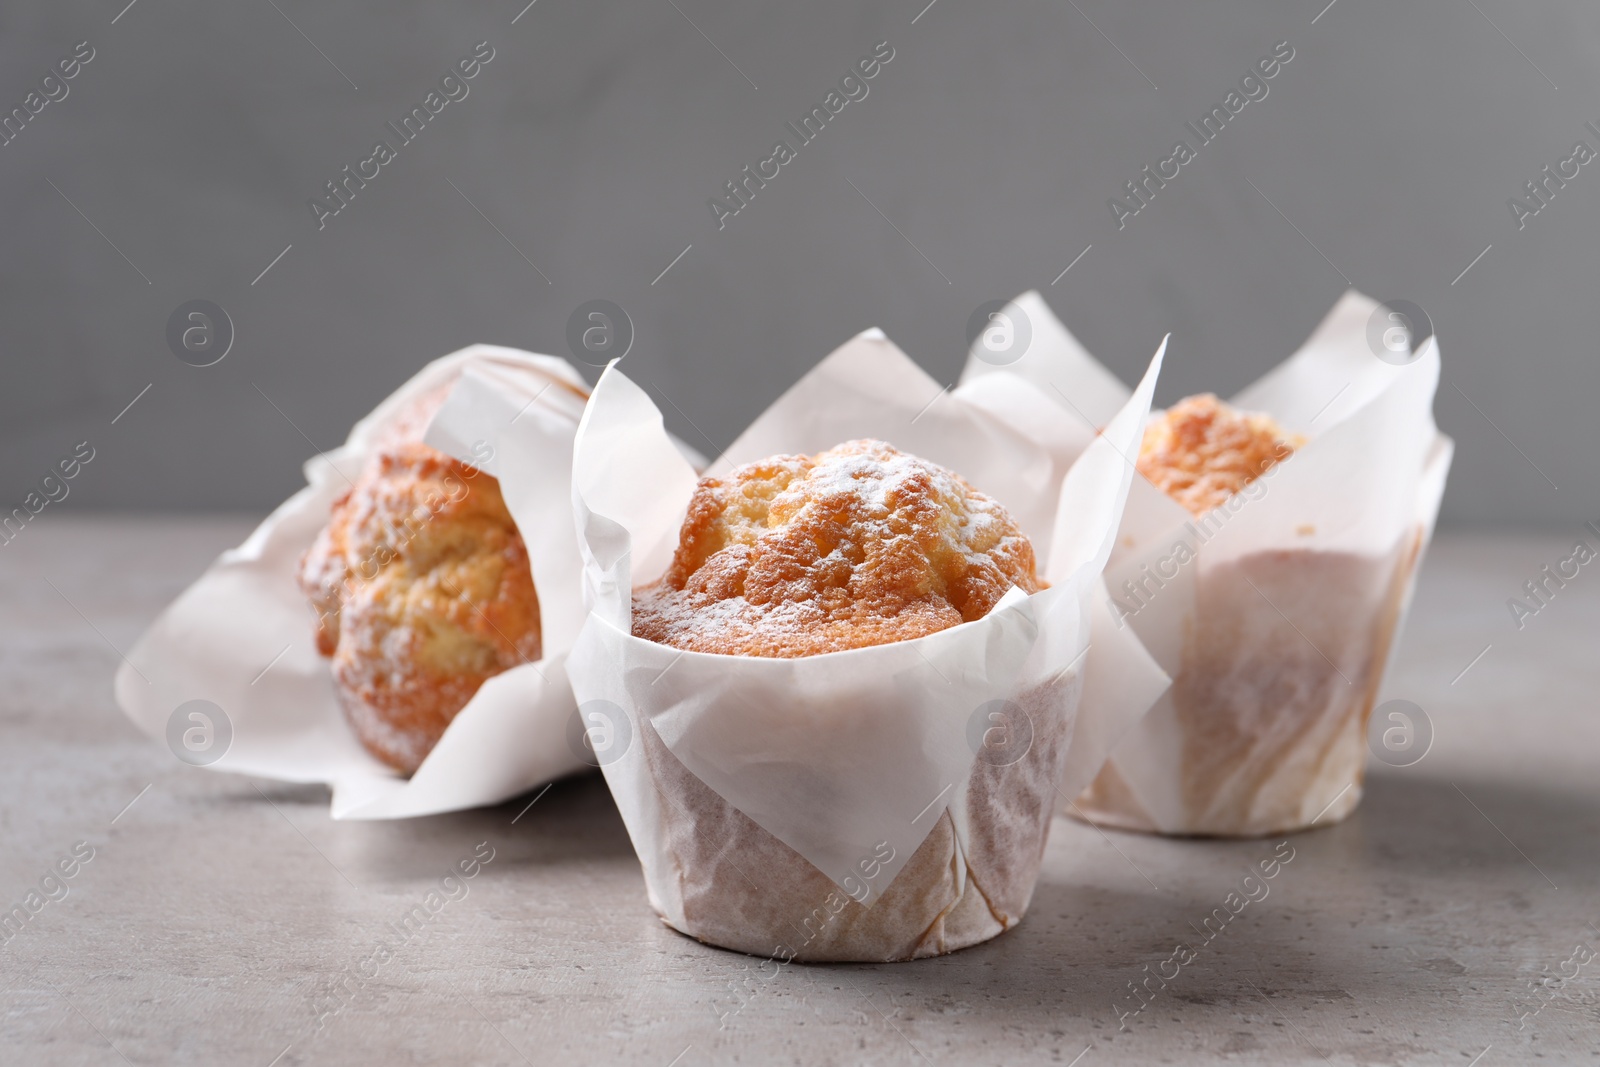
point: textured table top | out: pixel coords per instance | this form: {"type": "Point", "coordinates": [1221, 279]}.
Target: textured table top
{"type": "Point", "coordinates": [218, 919]}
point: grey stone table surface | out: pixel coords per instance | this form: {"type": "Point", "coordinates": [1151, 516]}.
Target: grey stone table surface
{"type": "Point", "coordinates": [1446, 922]}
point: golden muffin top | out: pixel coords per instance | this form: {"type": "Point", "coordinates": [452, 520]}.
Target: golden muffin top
{"type": "Point", "coordinates": [860, 545]}
{"type": "Point", "coordinates": [1200, 451]}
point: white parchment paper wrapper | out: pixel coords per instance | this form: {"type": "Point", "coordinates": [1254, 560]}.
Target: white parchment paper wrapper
{"type": "Point", "coordinates": [1274, 613]}
{"type": "Point", "coordinates": [832, 807]}
{"type": "Point", "coordinates": [216, 641]}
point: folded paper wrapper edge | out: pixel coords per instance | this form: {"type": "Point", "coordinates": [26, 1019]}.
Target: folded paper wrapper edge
{"type": "Point", "coordinates": [628, 489]}
{"type": "Point", "coordinates": [212, 642]}
{"type": "Point", "coordinates": [1364, 411]}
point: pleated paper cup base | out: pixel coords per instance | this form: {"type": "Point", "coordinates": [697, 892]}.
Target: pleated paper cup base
{"type": "Point", "coordinates": [1268, 716]}
{"type": "Point", "coordinates": [970, 880]}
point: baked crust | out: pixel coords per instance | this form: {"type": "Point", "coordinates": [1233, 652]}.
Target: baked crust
{"type": "Point", "coordinates": [1201, 451]}
{"type": "Point", "coordinates": [423, 592]}
{"type": "Point", "coordinates": [859, 545]}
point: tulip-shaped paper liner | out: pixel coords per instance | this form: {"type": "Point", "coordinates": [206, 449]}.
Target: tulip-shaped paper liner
{"type": "Point", "coordinates": [832, 807]}
{"type": "Point", "coordinates": [1275, 611]}
{"type": "Point", "coordinates": [237, 648]}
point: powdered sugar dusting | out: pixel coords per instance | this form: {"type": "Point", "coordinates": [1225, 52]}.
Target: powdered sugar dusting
{"type": "Point", "coordinates": [859, 545]}
{"type": "Point", "coordinates": [423, 591]}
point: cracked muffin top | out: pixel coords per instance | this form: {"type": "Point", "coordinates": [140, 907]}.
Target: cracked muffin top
{"type": "Point", "coordinates": [859, 545]}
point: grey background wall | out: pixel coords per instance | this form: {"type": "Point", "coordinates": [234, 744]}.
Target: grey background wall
{"type": "Point", "coordinates": [980, 164]}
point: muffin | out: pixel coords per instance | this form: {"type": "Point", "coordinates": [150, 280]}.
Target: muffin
{"type": "Point", "coordinates": [1282, 650]}
{"type": "Point", "coordinates": [856, 546]}
{"type": "Point", "coordinates": [1200, 451]}
{"type": "Point", "coordinates": [797, 556]}
{"type": "Point", "coordinates": [422, 589]}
